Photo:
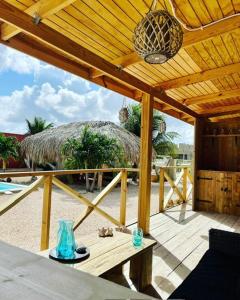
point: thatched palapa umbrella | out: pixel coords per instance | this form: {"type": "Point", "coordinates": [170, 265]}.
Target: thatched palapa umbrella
{"type": "Point", "coordinates": [46, 146]}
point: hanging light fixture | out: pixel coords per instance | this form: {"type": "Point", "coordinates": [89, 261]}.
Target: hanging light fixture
{"type": "Point", "coordinates": [123, 113]}
{"type": "Point", "coordinates": [158, 37]}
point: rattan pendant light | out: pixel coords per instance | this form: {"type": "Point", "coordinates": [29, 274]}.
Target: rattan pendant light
{"type": "Point", "coordinates": [123, 113]}
{"type": "Point", "coordinates": [158, 36]}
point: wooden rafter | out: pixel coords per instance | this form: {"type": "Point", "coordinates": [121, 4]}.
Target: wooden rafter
{"type": "Point", "coordinates": [229, 118]}
{"type": "Point", "coordinates": [190, 38]}
{"type": "Point", "coordinates": [16, 17]}
{"type": "Point", "coordinates": [200, 76]}
{"type": "Point", "coordinates": [212, 97]}
{"type": "Point", "coordinates": [44, 8]}
{"type": "Point", "coordinates": [40, 51]}
{"type": "Point", "coordinates": [122, 61]}
{"type": "Point", "coordinates": [220, 111]}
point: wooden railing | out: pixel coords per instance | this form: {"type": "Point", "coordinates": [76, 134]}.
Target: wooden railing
{"type": "Point", "coordinates": [49, 178]}
{"type": "Point", "coordinates": [182, 187]}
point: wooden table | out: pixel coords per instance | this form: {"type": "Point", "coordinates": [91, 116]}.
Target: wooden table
{"type": "Point", "coordinates": [27, 276]}
{"type": "Point", "coordinates": [107, 256]}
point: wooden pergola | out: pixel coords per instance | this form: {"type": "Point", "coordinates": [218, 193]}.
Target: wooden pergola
{"type": "Point", "coordinates": [93, 39]}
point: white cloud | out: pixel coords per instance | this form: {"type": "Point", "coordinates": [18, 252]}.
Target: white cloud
{"type": "Point", "coordinates": [58, 105]}
{"type": "Point", "coordinates": [62, 105]}
{"type": "Point", "coordinates": [18, 62]}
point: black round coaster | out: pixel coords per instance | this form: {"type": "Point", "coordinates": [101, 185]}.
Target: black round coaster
{"type": "Point", "coordinates": [81, 254]}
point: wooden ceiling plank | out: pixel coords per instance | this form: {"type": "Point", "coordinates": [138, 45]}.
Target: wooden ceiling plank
{"type": "Point", "coordinates": [220, 111]}
{"type": "Point", "coordinates": [71, 25]}
{"type": "Point", "coordinates": [189, 39]}
{"type": "Point", "coordinates": [16, 17]}
{"type": "Point", "coordinates": [212, 97]}
{"type": "Point", "coordinates": [44, 8]}
{"type": "Point", "coordinates": [96, 24]}
{"type": "Point", "coordinates": [84, 42]}
{"type": "Point", "coordinates": [201, 76]}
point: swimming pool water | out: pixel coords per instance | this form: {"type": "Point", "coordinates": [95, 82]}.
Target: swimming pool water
{"type": "Point", "coordinates": [4, 187]}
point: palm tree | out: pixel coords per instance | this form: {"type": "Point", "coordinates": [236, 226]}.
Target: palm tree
{"type": "Point", "coordinates": [91, 151]}
{"type": "Point", "coordinates": [162, 141]}
{"type": "Point", "coordinates": [37, 125]}
{"type": "Point", "coordinates": [8, 149]}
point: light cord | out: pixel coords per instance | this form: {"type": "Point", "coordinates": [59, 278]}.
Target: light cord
{"type": "Point", "coordinates": [187, 27]}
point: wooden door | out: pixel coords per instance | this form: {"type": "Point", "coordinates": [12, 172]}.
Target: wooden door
{"type": "Point", "coordinates": [206, 186]}
{"type": "Point", "coordinates": [236, 195]}
{"type": "Point", "coordinates": [224, 192]}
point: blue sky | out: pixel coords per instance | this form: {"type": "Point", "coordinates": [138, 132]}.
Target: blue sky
{"type": "Point", "coordinates": [29, 88]}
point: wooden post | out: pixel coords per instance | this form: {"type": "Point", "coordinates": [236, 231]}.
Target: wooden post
{"type": "Point", "coordinates": [123, 202]}
{"type": "Point", "coordinates": [46, 213]}
{"type": "Point", "coordinates": [197, 157]}
{"type": "Point", "coordinates": [184, 190]}
{"type": "Point", "coordinates": [141, 269]}
{"type": "Point", "coordinates": [100, 181]}
{"type": "Point", "coordinates": [145, 163]}
{"type": "Point", "coordinates": [161, 190]}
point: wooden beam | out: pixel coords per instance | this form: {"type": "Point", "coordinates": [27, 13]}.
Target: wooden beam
{"type": "Point", "coordinates": [96, 201]}
{"type": "Point", "coordinates": [212, 97]}
{"type": "Point", "coordinates": [44, 8]}
{"type": "Point", "coordinates": [145, 164]}
{"type": "Point", "coordinates": [122, 62]}
{"type": "Point", "coordinates": [46, 213]}
{"type": "Point", "coordinates": [220, 111]}
{"type": "Point", "coordinates": [16, 17]}
{"type": "Point", "coordinates": [123, 201]}
{"type": "Point", "coordinates": [189, 38]}
{"type": "Point", "coordinates": [161, 190]}
{"type": "Point", "coordinates": [40, 51]}
{"type": "Point", "coordinates": [196, 159]}
{"type": "Point", "coordinates": [230, 118]}
{"type": "Point", "coordinates": [85, 201]}
{"type": "Point", "coordinates": [200, 76]}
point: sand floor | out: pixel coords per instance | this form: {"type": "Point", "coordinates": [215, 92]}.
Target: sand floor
{"type": "Point", "coordinates": [21, 225]}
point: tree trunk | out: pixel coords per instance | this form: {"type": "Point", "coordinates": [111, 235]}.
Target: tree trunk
{"type": "Point", "coordinates": [93, 182]}
{"type": "Point", "coordinates": [4, 165]}
{"type": "Point", "coordinates": [87, 178]}
{"type": "Point", "coordinates": [87, 183]}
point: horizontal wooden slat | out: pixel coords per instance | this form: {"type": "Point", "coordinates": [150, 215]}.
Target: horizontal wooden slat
{"type": "Point", "coordinates": [201, 76]}
{"type": "Point", "coordinates": [64, 172]}
{"type": "Point", "coordinates": [221, 111]}
{"type": "Point", "coordinates": [212, 97]}
{"type": "Point", "coordinates": [190, 38]}
{"type": "Point", "coordinates": [44, 8]}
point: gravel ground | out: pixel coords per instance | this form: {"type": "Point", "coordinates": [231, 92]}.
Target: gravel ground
{"type": "Point", "coordinates": [21, 225]}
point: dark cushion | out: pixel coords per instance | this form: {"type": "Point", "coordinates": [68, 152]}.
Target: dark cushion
{"type": "Point", "coordinates": [216, 277]}
{"type": "Point", "coordinates": [224, 241]}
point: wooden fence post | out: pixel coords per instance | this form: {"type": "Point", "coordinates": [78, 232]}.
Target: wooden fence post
{"type": "Point", "coordinates": [46, 212]}
{"type": "Point", "coordinates": [184, 190]}
{"type": "Point", "coordinates": [123, 202]}
{"type": "Point", "coordinates": [145, 163]}
{"type": "Point", "coordinates": [161, 190]}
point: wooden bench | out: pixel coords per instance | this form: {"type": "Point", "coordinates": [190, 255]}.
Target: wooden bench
{"type": "Point", "coordinates": [109, 254]}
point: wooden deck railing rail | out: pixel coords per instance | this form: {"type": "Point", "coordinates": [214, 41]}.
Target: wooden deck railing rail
{"type": "Point", "coordinates": [49, 178]}
{"type": "Point", "coordinates": [180, 186]}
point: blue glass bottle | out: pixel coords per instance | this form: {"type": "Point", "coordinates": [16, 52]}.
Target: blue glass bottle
{"type": "Point", "coordinates": [66, 241]}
